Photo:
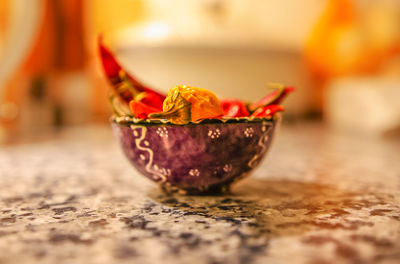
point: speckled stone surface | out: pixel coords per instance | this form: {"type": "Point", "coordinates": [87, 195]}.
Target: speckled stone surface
{"type": "Point", "coordinates": [318, 198]}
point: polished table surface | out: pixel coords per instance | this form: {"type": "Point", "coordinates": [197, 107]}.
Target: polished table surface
{"type": "Point", "coordinates": [319, 197]}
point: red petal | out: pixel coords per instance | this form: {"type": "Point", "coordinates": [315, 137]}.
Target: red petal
{"type": "Point", "coordinates": [141, 110]}
{"type": "Point", "coordinates": [268, 110]}
{"type": "Point", "coordinates": [113, 71]}
{"type": "Point", "coordinates": [276, 97]}
{"type": "Point", "coordinates": [286, 91]}
{"type": "Point", "coordinates": [234, 108]}
{"type": "Point", "coordinates": [110, 65]}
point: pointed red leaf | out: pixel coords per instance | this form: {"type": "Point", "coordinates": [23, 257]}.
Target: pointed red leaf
{"type": "Point", "coordinates": [276, 97]}
{"type": "Point", "coordinates": [268, 110]}
{"type": "Point", "coordinates": [115, 73]}
{"type": "Point", "coordinates": [234, 108]}
{"type": "Point", "coordinates": [141, 110]}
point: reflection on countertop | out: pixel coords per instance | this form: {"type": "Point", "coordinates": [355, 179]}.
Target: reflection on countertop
{"type": "Point", "coordinates": [319, 197]}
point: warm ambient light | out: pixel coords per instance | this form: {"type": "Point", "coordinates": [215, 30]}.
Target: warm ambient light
{"type": "Point", "coordinates": [156, 30]}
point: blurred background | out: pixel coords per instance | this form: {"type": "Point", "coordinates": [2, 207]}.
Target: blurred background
{"type": "Point", "coordinates": [343, 56]}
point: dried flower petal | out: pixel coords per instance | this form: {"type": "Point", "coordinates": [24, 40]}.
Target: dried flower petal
{"type": "Point", "coordinates": [268, 110]}
{"type": "Point", "coordinates": [275, 97]}
{"type": "Point", "coordinates": [234, 108]}
{"type": "Point", "coordinates": [125, 85]}
{"type": "Point", "coordinates": [186, 104]}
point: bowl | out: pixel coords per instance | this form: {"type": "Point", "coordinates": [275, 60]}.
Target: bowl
{"type": "Point", "coordinates": [195, 158]}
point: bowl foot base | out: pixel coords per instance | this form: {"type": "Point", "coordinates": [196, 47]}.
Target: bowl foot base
{"type": "Point", "coordinates": [217, 189]}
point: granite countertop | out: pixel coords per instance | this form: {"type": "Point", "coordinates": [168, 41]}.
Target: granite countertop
{"type": "Point", "coordinates": [318, 198]}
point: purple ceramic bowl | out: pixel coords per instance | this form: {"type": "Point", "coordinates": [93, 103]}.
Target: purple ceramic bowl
{"type": "Point", "coordinates": [195, 158]}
